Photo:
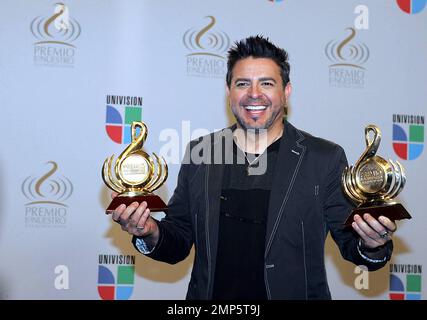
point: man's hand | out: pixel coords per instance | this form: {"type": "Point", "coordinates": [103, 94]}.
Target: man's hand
{"type": "Point", "coordinates": [374, 233]}
{"type": "Point", "coordinates": [136, 220]}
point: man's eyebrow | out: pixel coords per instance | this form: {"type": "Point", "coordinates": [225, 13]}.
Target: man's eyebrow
{"type": "Point", "coordinates": [260, 79]}
{"type": "Point", "coordinates": [267, 79]}
{"type": "Point", "coordinates": [242, 79]}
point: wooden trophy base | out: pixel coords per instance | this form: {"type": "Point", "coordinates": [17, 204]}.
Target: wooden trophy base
{"type": "Point", "coordinates": [154, 203]}
{"type": "Point", "coordinates": [393, 211]}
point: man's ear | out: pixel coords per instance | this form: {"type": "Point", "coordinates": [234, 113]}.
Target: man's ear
{"type": "Point", "coordinates": [288, 91]}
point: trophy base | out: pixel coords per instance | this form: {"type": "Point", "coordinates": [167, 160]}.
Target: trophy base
{"type": "Point", "coordinates": [154, 203]}
{"type": "Point", "coordinates": [393, 211]}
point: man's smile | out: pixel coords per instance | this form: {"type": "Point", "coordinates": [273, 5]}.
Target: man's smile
{"type": "Point", "coordinates": [255, 111]}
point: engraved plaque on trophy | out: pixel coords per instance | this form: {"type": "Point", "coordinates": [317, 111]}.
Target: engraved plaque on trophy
{"type": "Point", "coordinates": [372, 183]}
{"type": "Point", "coordinates": [136, 175]}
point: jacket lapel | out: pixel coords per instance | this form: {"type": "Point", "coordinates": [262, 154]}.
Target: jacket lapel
{"type": "Point", "coordinates": [291, 154]}
{"type": "Point", "coordinates": [213, 186]}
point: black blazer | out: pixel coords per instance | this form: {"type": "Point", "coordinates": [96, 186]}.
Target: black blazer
{"type": "Point", "coordinates": [306, 202]}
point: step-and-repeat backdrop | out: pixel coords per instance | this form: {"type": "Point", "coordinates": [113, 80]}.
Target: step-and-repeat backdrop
{"type": "Point", "coordinates": [75, 74]}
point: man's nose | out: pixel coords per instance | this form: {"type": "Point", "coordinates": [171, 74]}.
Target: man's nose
{"type": "Point", "coordinates": [254, 91]}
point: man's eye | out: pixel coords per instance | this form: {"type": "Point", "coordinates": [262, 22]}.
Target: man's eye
{"type": "Point", "coordinates": [242, 84]}
{"type": "Point", "coordinates": [268, 84]}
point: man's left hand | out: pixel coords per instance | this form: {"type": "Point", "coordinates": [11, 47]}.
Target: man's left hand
{"type": "Point", "coordinates": [374, 233]}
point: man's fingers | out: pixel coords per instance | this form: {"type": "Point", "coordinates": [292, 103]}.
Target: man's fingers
{"type": "Point", "coordinates": [386, 222]}
{"type": "Point", "coordinates": [114, 194]}
{"type": "Point", "coordinates": [143, 220]}
{"type": "Point", "coordinates": [374, 224]}
{"type": "Point", "coordinates": [384, 227]}
{"type": "Point", "coordinates": [365, 227]}
{"type": "Point", "coordinates": [137, 214]}
{"type": "Point", "coordinates": [119, 210]}
{"type": "Point", "coordinates": [133, 218]}
{"type": "Point", "coordinates": [122, 213]}
{"type": "Point", "coordinates": [128, 212]}
{"type": "Point", "coordinates": [366, 239]}
{"type": "Point", "coordinates": [370, 234]}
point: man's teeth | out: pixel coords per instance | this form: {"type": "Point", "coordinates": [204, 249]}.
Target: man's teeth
{"type": "Point", "coordinates": [255, 108]}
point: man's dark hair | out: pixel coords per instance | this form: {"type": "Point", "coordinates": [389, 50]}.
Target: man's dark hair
{"type": "Point", "coordinates": [258, 47]}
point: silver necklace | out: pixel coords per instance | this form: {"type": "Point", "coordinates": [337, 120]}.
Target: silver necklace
{"type": "Point", "coordinates": [254, 160]}
{"type": "Point", "coordinates": [250, 163]}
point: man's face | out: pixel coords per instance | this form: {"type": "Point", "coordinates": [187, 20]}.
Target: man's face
{"type": "Point", "coordinates": [256, 93]}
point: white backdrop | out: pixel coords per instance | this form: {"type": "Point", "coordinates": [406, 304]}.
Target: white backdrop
{"type": "Point", "coordinates": [352, 63]}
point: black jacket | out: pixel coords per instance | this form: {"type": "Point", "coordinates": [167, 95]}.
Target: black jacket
{"type": "Point", "coordinates": [306, 202]}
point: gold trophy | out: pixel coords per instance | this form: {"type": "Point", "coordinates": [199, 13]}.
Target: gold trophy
{"type": "Point", "coordinates": [373, 182]}
{"type": "Point", "coordinates": [136, 174]}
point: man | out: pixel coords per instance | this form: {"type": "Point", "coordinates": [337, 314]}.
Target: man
{"type": "Point", "coordinates": [259, 234]}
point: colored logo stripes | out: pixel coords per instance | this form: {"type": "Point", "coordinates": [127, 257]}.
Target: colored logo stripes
{"type": "Point", "coordinates": [408, 146]}
{"type": "Point", "coordinates": [412, 6]}
{"type": "Point", "coordinates": [410, 291]}
{"type": "Point", "coordinates": [110, 289]}
{"type": "Point", "coordinates": [119, 128]}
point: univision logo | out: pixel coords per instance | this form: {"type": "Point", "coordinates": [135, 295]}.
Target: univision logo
{"type": "Point", "coordinates": [55, 35]}
{"type": "Point", "coordinates": [412, 6]}
{"type": "Point", "coordinates": [47, 195]}
{"type": "Point", "coordinates": [121, 111]}
{"type": "Point", "coordinates": [116, 276]}
{"type": "Point", "coordinates": [405, 281]}
{"type": "Point", "coordinates": [408, 136]}
{"type": "Point", "coordinates": [208, 48]}
{"type": "Point", "coordinates": [347, 59]}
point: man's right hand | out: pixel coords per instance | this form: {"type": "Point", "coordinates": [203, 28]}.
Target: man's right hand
{"type": "Point", "coordinates": [136, 220]}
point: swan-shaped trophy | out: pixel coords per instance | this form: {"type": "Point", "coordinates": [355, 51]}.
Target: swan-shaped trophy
{"type": "Point", "coordinates": [373, 182]}
{"type": "Point", "coordinates": [136, 175]}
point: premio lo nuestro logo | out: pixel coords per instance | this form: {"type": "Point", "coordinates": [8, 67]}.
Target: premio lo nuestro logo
{"type": "Point", "coordinates": [47, 194]}
{"type": "Point", "coordinates": [116, 276]}
{"type": "Point", "coordinates": [208, 47]}
{"type": "Point", "coordinates": [348, 58]}
{"type": "Point", "coordinates": [55, 34]}
{"type": "Point", "coordinates": [412, 6]}
{"type": "Point", "coordinates": [121, 111]}
{"type": "Point", "coordinates": [408, 136]}
{"type": "Point", "coordinates": [405, 281]}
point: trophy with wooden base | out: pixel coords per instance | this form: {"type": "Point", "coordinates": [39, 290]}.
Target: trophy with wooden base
{"type": "Point", "coordinates": [137, 175]}
{"type": "Point", "coordinates": [372, 183]}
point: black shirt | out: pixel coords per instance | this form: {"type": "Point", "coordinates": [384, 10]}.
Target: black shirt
{"type": "Point", "coordinates": [239, 270]}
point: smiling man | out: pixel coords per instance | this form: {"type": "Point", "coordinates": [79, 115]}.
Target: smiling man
{"type": "Point", "coordinates": [259, 235]}
{"type": "Point", "coordinates": [257, 96]}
